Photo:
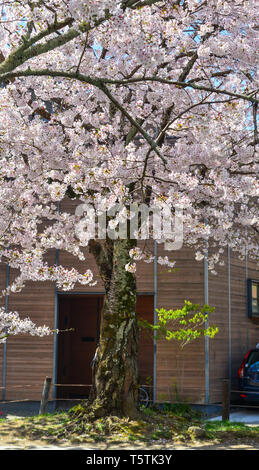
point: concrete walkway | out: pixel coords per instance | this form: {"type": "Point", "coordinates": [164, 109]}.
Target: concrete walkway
{"type": "Point", "coordinates": [246, 416]}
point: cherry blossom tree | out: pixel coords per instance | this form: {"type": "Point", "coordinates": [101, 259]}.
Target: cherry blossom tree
{"type": "Point", "coordinates": [125, 102]}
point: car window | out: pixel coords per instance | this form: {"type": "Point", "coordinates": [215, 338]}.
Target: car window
{"type": "Point", "coordinates": [253, 358]}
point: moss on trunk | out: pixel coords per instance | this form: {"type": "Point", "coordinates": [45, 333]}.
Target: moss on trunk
{"type": "Point", "coordinates": [115, 372]}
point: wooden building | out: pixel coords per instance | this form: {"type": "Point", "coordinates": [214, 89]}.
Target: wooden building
{"type": "Point", "coordinates": [193, 374]}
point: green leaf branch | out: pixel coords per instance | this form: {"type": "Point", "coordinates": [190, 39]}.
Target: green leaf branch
{"type": "Point", "coordinates": [183, 325]}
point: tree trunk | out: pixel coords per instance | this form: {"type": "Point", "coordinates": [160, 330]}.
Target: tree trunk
{"type": "Point", "coordinates": [115, 370]}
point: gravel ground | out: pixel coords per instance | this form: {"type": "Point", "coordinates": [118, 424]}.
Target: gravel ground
{"type": "Point", "coordinates": [31, 408]}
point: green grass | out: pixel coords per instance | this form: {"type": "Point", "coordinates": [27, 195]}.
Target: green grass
{"type": "Point", "coordinates": [221, 429]}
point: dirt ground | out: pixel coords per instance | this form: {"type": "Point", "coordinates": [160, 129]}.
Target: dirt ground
{"type": "Point", "coordinates": [38, 445]}
{"type": "Point", "coordinates": [10, 441]}
{"type": "Point", "coordinates": [14, 437]}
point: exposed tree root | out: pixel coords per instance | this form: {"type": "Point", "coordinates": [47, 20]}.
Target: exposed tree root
{"type": "Point", "coordinates": [92, 410]}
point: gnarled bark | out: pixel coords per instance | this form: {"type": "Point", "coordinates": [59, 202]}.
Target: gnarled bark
{"type": "Point", "coordinates": [115, 371]}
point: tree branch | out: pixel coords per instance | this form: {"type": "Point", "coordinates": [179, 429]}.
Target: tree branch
{"type": "Point", "coordinates": [30, 48]}
{"type": "Point", "coordinates": [134, 122]}
{"type": "Point", "coordinates": [180, 84]}
{"type": "Point", "coordinates": [96, 82]}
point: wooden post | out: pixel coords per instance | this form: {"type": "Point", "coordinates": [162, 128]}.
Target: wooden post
{"type": "Point", "coordinates": [45, 395]}
{"type": "Point", "coordinates": [225, 400]}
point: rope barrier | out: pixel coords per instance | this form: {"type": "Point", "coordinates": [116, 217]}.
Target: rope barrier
{"type": "Point", "coordinates": [226, 402]}
{"type": "Point", "coordinates": [164, 402]}
{"type": "Point", "coordinates": [13, 387]}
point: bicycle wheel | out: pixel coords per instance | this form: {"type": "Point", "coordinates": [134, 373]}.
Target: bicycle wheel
{"type": "Point", "coordinates": [143, 397]}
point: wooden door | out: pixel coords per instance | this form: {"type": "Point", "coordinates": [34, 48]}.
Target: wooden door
{"type": "Point", "coordinates": [76, 348]}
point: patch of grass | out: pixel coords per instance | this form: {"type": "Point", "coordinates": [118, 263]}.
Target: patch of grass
{"type": "Point", "coordinates": [162, 432]}
{"type": "Point", "coordinates": [227, 429]}
{"type": "Point", "coordinates": [182, 410]}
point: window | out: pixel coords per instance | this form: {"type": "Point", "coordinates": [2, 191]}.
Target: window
{"type": "Point", "coordinates": [253, 298]}
{"type": "Point", "coordinates": [253, 361]}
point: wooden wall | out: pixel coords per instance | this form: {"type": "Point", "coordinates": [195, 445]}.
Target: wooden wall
{"type": "Point", "coordinates": [180, 373]}
{"type": "Point", "coordinates": [237, 333]}
{"type": "Point", "coordinates": [218, 346]}
{"type": "Point", "coordinates": [30, 359]}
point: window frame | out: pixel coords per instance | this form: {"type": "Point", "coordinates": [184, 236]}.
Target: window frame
{"type": "Point", "coordinates": [250, 312]}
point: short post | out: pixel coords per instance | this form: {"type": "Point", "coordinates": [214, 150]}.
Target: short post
{"type": "Point", "coordinates": [45, 395]}
{"type": "Point", "coordinates": [225, 400]}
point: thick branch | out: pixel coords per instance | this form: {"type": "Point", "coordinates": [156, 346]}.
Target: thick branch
{"type": "Point", "coordinates": [133, 4]}
{"type": "Point", "coordinates": [30, 48]}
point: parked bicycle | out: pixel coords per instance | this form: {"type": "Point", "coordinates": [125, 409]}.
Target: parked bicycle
{"type": "Point", "coordinates": [143, 398]}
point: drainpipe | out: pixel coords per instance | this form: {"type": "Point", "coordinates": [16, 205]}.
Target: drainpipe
{"type": "Point", "coordinates": [55, 341]}
{"type": "Point", "coordinates": [155, 320]}
{"type": "Point", "coordinates": [207, 357]}
{"type": "Point", "coordinates": [5, 343]}
{"type": "Point", "coordinates": [246, 277]}
{"type": "Point", "coordinates": [55, 347]}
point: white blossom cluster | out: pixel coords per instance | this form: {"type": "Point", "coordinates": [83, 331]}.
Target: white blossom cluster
{"type": "Point", "coordinates": [12, 324]}
{"type": "Point", "coordinates": [126, 101]}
